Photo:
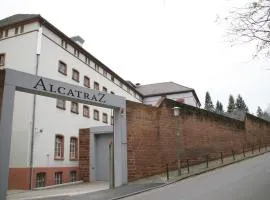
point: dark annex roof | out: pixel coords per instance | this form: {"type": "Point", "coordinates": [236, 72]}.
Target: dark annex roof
{"type": "Point", "coordinates": [162, 88]}
{"type": "Point", "coordinates": [14, 19]}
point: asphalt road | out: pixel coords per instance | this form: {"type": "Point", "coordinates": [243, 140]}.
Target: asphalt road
{"type": "Point", "coordinates": [246, 180]}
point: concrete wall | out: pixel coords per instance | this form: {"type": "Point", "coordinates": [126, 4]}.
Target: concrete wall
{"type": "Point", "coordinates": [152, 136]}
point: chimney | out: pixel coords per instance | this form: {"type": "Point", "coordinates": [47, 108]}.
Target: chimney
{"type": "Point", "coordinates": [78, 39]}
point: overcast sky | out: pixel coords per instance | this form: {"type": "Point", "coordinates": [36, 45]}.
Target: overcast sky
{"type": "Point", "coordinates": [150, 41]}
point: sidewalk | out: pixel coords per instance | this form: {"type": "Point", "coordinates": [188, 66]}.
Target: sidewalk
{"type": "Point", "coordinates": [87, 190]}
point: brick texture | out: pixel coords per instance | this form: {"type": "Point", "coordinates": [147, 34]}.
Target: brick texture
{"type": "Point", "coordinates": [152, 140]}
{"type": "Point", "coordinates": [84, 154]}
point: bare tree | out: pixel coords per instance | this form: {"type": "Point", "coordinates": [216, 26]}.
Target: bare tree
{"type": "Point", "coordinates": [251, 23]}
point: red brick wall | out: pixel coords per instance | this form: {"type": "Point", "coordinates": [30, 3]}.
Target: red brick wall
{"type": "Point", "coordinates": [152, 136]}
{"type": "Point", "coordinates": [19, 177]}
{"type": "Point", "coordinates": [84, 154]}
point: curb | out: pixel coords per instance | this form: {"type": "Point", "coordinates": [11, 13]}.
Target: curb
{"type": "Point", "coordinates": [191, 175]}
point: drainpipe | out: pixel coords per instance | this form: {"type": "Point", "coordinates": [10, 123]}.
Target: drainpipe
{"type": "Point", "coordinates": [34, 110]}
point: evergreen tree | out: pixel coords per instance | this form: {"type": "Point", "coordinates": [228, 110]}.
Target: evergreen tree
{"type": "Point", "coordinates": [240, 104]}
{"type": "Point", "coordinates": [231, 105]}
{"type": "Point", "coordinates": [219, 107]}
{"type": "Point", "coordinates": [259, 112]}
{"type": "Point", "coordinates": [208, 104]}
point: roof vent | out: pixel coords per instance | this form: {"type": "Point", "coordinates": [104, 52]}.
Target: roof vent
{"type": "Point", "coordinates": [137, 84]}
{"type": "Point", "coordinates": [78, 39]}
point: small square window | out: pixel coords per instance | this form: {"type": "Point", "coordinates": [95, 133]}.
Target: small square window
{"type": "Point", "coordinates": [105, 118]}
{"type": "Point", "coordinates": [75, 75]}
{"type": "Point", "coordinates": [86, 81]}
{"type": "Point", "coordinates": [96, 115]}
{"type": "Point", "coordinates": [60, 103]}
{"type": "Point", "coordinates": [104, 89]}
{"type": "Point", "coordinates": [2, 59]}
{"type": "Point", "coordinates": [73, 176]}
{"type": "Point", "coordinates": [86, 112]}
{"type": "Point", "coordinates": [74, 107]}
{"type": "Point", "coordinates": [16, 30]}
{"type": "Point", "coordinates": [58, 178]}
{"type": "Point", "coordinates": [62, 68]}
{"type": "Point", "coordinates": [40, 179]}
{"type": "Point", "coordinates": [96, 85]}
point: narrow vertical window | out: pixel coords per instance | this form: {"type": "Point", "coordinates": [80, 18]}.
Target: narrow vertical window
{"type": "Point", "coordinates": [21, 28]}
{"type": "Point", "coordinates": [73, 150]}
{"type": "Point", "coordinates": [74, 107]}
{"type": "Point", "coordinates": [96, 115]}
{"type": "Point", "coordinates": [16, 30]}
{"type": "Point", "coordinates": [96, 67]}
{"type": "Point", "coordinates": [62, 67]}
{"type": "Point", "coordinates": [73, 176]}
{"type": "Point", "coordinates": [112, 120]}
{"type": "Point", "coordinates": [40, 179]}
{"type": "Point", "coordinates": [104, 73]}
{"type": "Point", "coordinates": [75, 75]}
{"type": "Point", "coordinates": [2, 59]}
{"type": "Point", "coordinates": [96, 85]}
{"type": "Point", "coordinates": [1, 34]}
{"type": "Point", "coordinates": [86, 112]}
{"type": "Point", "coordinates": [58, 179]}
{"type": "Point", "coordinates": [61, 104]}
{"type": "Point", "coordinates": [105, 118]}
{"type": "Point", "coordinates": [6, 33]}
{"type": "Point", "coordinates": [59, 147]}
{"type": "Point", "coordinates": [86, 81]}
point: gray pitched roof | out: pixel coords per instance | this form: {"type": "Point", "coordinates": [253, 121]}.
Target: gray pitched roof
{"type": "Point", "coordinates": [16, 19]}
{"type": "Point", "coordinates": [161, 88]}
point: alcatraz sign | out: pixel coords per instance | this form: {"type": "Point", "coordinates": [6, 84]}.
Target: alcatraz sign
{"type": "Point", "coordinates": [40, 85]}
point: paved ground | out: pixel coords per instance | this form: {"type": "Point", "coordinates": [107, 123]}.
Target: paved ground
{"type": "Point", "coordinates": [247, 180]}
{"type": "Point", "coordinates": [99, 190]}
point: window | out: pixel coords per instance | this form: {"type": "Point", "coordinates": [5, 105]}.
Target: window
{"type": "Point", "coordinates": [86, 112]}
{"type": "Point", "coordinates": [96, 115]}
{"type": "Point", "coordinates": [105, 118]}
{"type": "Point", "coordinates": [86, 59]}
{"type": "Point", "coordinates": [96, 67]}
{"type": "Point", "coordinates": [121, 84]}
{"type": "Point", "coordinates": [64, 44]}
{"type": "Point", "coordinates": [73, 176]}
{"type": "Point", "coordinates": [112, 78]}
{"type": "Point", "coordinates": [104, 73]}
{"type": "Point", "coordinates": [73, 151]}
{"type": "Point", "coordinates": [1, 34]}
{"type": "Point", "coordinates": [2, 59]}
{"type": "Point", "coordinates": [22, 29]}
{"type": "Point", "coordinates": [62, 68]}
{"type": "Point", "coordinates": [59, 147]}
{"type": "Point", "coordinates": [112, 120]}
{"type": "Point", "coordinates": [128, 90]}
{"type": "Point", "coordinates": [76, 52]}
{"type": "Point", "coordinates": [16, 30]}
{"type": "Point", "coordinates": [61, 104]}
{"type": "Point", "coordinates": [75, 75]}
{"type": "Point", "coordinates": [96, 85]}
{"type": "Point", "coordinates": [58, 178]}
{"type": "Point", "coordinates": [104, 89]}
{"type": "Point", "coordinates": [40, 179]}
{"type": "Point", "coordinates": [6, 33]}
{"type": "Point", "coordinates": [86, 81]}
{"type": "Point", "coordinates": [74, 107]}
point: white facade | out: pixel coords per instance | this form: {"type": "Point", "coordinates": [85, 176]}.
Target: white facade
{"type": "Point", "coordinates": [21, 54]}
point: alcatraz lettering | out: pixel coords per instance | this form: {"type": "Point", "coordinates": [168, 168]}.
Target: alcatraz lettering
{"type": "Point", "coordinates": [69, 92]}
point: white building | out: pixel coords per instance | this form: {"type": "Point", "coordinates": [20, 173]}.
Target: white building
{"type": "Point", "coordinates": [153, 93]}
{"type": "Point", "coordinates": [44, 145]}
